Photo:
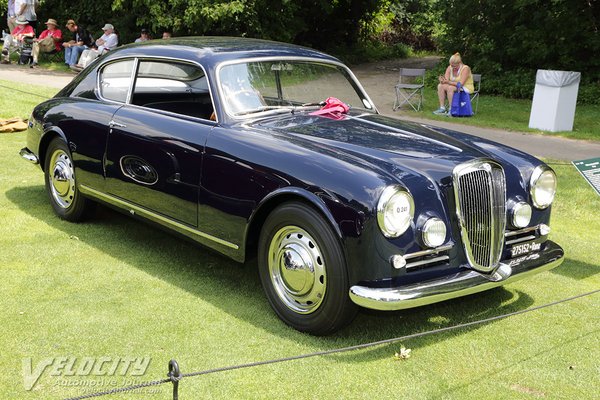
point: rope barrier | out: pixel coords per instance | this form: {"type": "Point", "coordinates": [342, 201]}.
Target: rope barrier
{"type": "Point", "coordinates": [175, 375]}
{"type": "Point", "coordinates": [25, 92]}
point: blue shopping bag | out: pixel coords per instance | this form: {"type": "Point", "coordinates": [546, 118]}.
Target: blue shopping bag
{"type": "Point", "coordinates": [461, 103]}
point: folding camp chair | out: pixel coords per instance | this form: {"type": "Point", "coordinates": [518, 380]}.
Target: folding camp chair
{"type": "Point", "coordinates": [24, 50]}
{"type": "Point", "coordinates": [409, 89]}
{"type": "Point", "coordinates": [475, 94]}
{"type": "Point", "coordinates": [55, 56]}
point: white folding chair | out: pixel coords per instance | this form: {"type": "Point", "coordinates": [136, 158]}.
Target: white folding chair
{"type": "Point", "coordinates": [409, 89]}
{"type": "Point", "coordinates": [475, 94]}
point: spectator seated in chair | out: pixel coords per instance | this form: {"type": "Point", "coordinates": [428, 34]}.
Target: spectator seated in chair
{"type": "Point", "coordinates": [16, 39]}
{"type": "Point", "coordinates": [81, 40]}
{"type": "Point", "coordinates": [457, 72]}
{"type": "Point", "coordinates": [108, 41]}
{"type": "Point", "coordinates": [49, 41]}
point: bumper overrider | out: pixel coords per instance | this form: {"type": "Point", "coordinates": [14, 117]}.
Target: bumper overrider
{"type": "Point", "coordinates": [459, 284]}
{"type": "Point", "coordinates": [29, 156]}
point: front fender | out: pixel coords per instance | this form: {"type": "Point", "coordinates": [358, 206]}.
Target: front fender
{"type": "Point", "coordinates": [273, 199]}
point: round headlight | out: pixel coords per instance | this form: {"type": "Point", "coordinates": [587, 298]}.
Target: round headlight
{"type": "Point", "coordinates": [434, 232]}
{"type": "Point", "coordinates": [542, 187]}
{"type": "Point", "coordinates": [395, 211]}
{"type": "Point", "coordinates": [521, 215]}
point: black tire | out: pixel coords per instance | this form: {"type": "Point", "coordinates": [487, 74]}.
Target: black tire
{"type": "Point", "coordinates": [313, 299]}
{"type": "Point", "coordinates": [61, 186]}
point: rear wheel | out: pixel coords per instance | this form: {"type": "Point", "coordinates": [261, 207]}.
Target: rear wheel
{"type": "Point", "coordinates": [303, 270]}
{"type": "Point", "coordinates": [61, 185]}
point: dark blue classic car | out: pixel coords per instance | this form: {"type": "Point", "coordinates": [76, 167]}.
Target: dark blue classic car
{"type": "Point", "coordinates": [257, 148]}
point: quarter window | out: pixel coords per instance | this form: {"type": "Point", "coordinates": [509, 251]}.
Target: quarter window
{"type": "Point", "coordinates": [115, 80]}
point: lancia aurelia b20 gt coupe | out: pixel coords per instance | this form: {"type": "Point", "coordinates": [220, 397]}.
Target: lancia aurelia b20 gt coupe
{"type": "Point", "coordinates": [261, 148]}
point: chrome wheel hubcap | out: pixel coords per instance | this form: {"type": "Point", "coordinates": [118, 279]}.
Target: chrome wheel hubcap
{"type": "Point", "coordinates": [297, 269]}
{"type": "Point", "coordinates": [62, 179]}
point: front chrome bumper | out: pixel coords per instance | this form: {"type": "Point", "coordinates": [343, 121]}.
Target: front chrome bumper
{"type": "Point", "coordinates": [29, 156]}
{"type": "Point", "coordinates": [459, 284]}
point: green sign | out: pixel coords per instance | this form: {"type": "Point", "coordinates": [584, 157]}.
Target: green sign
{"type": "Point", "coordinates": [590, 169]}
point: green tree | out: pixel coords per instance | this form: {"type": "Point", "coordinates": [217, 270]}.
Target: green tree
{"type": "Point", "coordinates": [509, 41]}
{"type": "Point", "coordinates": [316, 23]}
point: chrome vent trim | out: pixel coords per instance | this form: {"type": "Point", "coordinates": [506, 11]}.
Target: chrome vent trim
{"type": "Point", "coordinates": [480, 196]}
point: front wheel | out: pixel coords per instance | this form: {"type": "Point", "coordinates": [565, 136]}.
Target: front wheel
{"type": "Point", "coordinates": [61, 186]}
{"type": "Point", "coordinates": [303, 270]}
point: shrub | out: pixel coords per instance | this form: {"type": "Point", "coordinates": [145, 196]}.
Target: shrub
{"type": "Point", "coordinates": [368, 50]}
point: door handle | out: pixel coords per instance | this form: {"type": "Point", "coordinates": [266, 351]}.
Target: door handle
{"type": "Point", "coordinates": [113, 124]}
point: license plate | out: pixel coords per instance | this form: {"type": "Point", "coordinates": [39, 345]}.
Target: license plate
{"type": "Point", "coordinates": [524, 248]}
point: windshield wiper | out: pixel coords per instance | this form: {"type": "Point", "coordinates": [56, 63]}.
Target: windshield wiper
{"type": "Point", "coordinates": [319, 104]}
{"type": "Point", "coordinates": [264, 108]}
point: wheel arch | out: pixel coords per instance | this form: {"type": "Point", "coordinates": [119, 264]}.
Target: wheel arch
{"type": "Point", "coordinates": [48, 136]}
{"type": "Point", "coordinates": [272, 201]}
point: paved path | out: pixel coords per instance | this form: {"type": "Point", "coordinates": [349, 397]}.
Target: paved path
{"type": "Point", "coordinates": [43, 77]}
{"type": "Point", "coordinates": [379, 79]}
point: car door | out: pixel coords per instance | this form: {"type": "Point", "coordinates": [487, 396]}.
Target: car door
{"type": "Point", "coordinates": [85, 116]}
{"type": "Point", "coordinates": [156, 141]}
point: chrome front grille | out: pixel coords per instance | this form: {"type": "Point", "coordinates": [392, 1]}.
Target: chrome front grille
{"type": "Point", "coordinates": [480, 195]}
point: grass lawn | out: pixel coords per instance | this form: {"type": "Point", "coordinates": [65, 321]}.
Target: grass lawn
{"type": "Point", "coordinates": [115, 287]}
{"type": "Point", "coordinates": [513, 115]}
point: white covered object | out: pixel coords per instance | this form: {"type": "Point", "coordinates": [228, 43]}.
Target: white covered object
{"type": "Point", "coordinates": [554, 100]}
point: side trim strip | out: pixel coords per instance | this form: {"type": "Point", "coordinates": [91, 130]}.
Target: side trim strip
{"type": "Point", "coordinates": [161, 219]}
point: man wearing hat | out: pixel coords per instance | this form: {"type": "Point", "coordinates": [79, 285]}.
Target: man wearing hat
{"type": "Point", "coordinates": [48, 41]}
{"type": "Point", "coordinates": [81, 41]}
{"type": "Point", "coordinates": [108, 41]}
{"type": "Point", "coordinates": [16, 38]}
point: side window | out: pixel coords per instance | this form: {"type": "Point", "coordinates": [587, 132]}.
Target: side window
{"type": "Point", "coordinates": [172, 86]}
{"type": "Point", "coordinates": [115, 80]}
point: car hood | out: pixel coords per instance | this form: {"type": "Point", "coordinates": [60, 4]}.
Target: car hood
{"type": "Point", "coordinates": [388, 144]}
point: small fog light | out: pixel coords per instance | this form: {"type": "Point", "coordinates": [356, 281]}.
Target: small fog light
{"type": "Point", "coordinates": [398, 262]}
{"type": "Point", "coordinates": [521, 215]}
{"type": "Point", "coordinates": [544, 229]}
{"type": "Point", "coordinates": [434, 232]}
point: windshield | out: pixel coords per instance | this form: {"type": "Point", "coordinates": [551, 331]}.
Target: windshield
{"type": "Point", "coordinates": [274, 86]}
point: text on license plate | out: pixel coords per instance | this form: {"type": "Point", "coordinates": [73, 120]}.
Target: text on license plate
{"type": "Point", "coordinates": [524, 248]}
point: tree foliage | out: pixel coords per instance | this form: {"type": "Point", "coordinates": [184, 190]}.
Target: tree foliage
{"type": "Point", "coordinates": [317, 23]}
{"type": "Point", "coordinates": [509, 41]}
{"type": "Point", "coordinates": [412, 22]}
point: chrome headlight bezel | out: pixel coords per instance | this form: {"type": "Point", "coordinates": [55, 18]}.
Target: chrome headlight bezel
{"type": "Point", "coordinates": [392, 225]}
{"type": "Point", "coordinates": [520, 214]}
{"type": "Point", "coordinates": [429, 228]}
{"type": "Point", "coordinates": [539, 177]}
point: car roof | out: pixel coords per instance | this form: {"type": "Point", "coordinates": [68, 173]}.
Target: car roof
{"type": "Point", "coordinates": [213, 50]}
